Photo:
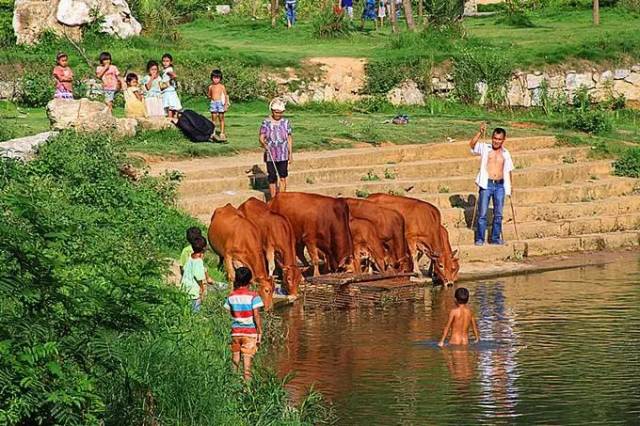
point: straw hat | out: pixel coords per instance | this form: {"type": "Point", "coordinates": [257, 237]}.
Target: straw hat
{"type": "Point", "coordinates": [277, 104]}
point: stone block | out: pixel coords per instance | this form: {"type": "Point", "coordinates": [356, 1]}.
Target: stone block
{"type": "Point", "coordinates": [620, 73]}
{"type": "Point", "coordinates": [535, 80]}
{"type": "Point", "coordinates": [633, 78]}
{"type": "Point", "coordinates": [223, 9]}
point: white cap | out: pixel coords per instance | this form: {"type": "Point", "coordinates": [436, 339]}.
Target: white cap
{"type": "Point", "coordinates": [277, 104]}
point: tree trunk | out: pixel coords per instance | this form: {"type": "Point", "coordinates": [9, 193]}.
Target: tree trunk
{"type": "Point", "coordinates": [274, 12]}
{"type": "Point", "coordinates": [408, 13]}
{"type": "Point", "coordinates": [421, 12]}
{"type": "Point", "coordinates": [596, 12]}
{"type": "Point", "coordinates": [392, 16]}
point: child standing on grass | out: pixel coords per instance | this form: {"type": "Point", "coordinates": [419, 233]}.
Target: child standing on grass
{"type": "Point", "coordinates": [152, 91]}
{"type": "Point", "coordinates": [170, 100]}
{"type": "Point", "coordinates": [290, 11]}
{"type": "Point", "coordinates": [460, 320]}
{"type": "Point", "coordinates": [382, 12]}
{"type": "Point", "coordinates": [63, 76]}
{"type": "Point", "coordinates": [246, 325]}
{"type": "Point", "coordinates": [219, 102]}
{"type": "Point", "coordinates": [133, 98]}
{"type": "Point", "coordinates": [194, 275]}
{"type": "Point", "coordinates": [110, 77]}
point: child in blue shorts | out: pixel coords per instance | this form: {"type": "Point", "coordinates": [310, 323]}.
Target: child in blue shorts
{"type": "Point", "coordinates": [219, 101]}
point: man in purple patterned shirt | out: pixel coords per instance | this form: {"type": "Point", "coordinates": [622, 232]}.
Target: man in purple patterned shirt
{"type": "Point", "coordinates": [275, 138]}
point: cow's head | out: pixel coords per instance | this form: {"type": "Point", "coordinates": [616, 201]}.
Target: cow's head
{"type": "Point", "coordinates": [265, 290]}
{"type": "Point", "coordinates": [292, 278]}
{"type": "Point", "coordinates": [445, 268]}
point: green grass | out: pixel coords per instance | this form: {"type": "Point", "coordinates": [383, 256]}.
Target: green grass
{"type": "Point", "coordinates": [561, 36]}
{"type": "Point", "coordinates": [334, 126]}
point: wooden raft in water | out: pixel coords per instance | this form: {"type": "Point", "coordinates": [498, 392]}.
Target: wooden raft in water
{"type": "Point", "coordinates": [345, 291]}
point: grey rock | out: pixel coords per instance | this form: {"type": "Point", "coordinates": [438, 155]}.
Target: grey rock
{"type": "Point", "coordinates": [24, 148]}
{"type": "Point", "coordinates": [621, 74]}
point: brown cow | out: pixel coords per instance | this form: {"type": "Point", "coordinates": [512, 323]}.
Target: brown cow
{"type": "Point", "coordinates": [425, 234]}
{"type": "Point", "coordinates": [390, 228]}
{"type": "Point", "coordinates": [238, 243]}
{"type": "Point", "coordinates": [319, 223]}
{"type": "Point", "coordinates": [366, 243]}
{"type": "Point", "coordinates": [277, 239]}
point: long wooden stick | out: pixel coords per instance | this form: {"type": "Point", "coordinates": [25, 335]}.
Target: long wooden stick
{"type": "Point", "coordinates": [513, 213]}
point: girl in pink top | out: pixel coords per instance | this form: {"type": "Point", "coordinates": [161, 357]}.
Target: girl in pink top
{"type": "Point", "coordinates": [63, 75]}
{"type": "Point", "coordinates": [110, 76]}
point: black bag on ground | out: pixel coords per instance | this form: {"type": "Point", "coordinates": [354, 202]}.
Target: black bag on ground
{"type": "Point", "coordinates": [195, 126]}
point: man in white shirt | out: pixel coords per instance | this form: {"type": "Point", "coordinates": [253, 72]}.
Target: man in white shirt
{"type": "Point", "coordinates": [493, 180]}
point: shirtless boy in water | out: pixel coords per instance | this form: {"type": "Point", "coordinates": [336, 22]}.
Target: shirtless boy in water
{"type": "Point", "coordinates": [460, 319]}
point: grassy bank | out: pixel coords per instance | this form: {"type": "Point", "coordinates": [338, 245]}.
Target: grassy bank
{"type": "Point", "coordinates": [559, 36]}
{"type": "Point", "coordinates": [90, 331]}
{"type": "Point", "coordinates": [333, 126]}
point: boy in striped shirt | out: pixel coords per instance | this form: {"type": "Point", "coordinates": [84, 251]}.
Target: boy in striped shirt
{"type": "Point", "coordinates": [246, 326]}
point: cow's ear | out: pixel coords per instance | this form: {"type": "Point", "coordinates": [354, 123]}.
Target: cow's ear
{"type": "Point", "coordinates": [455, 253]}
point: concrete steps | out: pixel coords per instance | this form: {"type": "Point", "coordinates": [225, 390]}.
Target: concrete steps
{"type": "Point", "coordinates": [564, 200]}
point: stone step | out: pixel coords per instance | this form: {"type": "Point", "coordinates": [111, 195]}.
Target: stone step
{"type": "Point", "coordinates": [301, 176]}
{"type": "Point", "coordinates": [585, 192]}
{"type": "Point", "coordinates": [309, 160]}
{"type": "Point", "coordinates": [461, 218]}
{"type": "Point", "coordinates": [533, 177]}
{"type": "Point", "coordinates": [563, 228]}
{"type": "Point", "coordinates": [548, 246]}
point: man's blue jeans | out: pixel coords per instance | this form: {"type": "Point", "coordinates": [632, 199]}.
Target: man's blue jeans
{"type": "Point", "coordinates": [496, 192]}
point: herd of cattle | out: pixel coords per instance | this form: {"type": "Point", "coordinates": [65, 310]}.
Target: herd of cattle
{"type": "Point", "coordinates": [382, 232]}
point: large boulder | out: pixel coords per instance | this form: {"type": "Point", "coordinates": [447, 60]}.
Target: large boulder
{"type": "Point", "coordinates": [84, 115]}
{"type": "Point", "coordinates": [407, 93]}
{"type": "Point", "coordinates": [31, 18]}
{"type": "Point", "coordinates": [24, 148]}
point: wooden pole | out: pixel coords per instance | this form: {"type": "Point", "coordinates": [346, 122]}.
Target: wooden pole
{"type": "Point", "coordinates": [596, 12]}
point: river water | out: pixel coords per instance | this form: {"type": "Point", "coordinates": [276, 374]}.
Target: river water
{"type": "Point", "coordinates": [559, 347]}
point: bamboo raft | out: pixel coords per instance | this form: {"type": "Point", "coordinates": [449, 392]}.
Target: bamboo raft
{"type": "Point", "coordinates": [347, 291]}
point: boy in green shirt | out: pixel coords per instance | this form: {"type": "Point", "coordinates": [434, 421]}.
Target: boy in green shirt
{"type": "Point", "coordinates": [192, 233]}
{"type": "Point", "coordinates": [194, 275]}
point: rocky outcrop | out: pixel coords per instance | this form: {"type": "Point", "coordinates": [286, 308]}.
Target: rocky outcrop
{"type": "Point", "coordinates": [31, 18]}
{"type": "Point", "coordinates": [24, 148]}
{"type": "Point", "coordinates": [84, 115]}
{"type": "Point", "coordinates": [406, 94]}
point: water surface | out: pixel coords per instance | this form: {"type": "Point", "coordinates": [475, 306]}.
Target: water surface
{"type": "Point", "coordinates": [558, 347]}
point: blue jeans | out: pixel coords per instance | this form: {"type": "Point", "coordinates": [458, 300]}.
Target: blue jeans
{"type": "Point", "coordinates": [195, 304]}
{"type": "Point", "coordinates": [495, 191]}
{"type": "Point", "coordinates": [290, 10]}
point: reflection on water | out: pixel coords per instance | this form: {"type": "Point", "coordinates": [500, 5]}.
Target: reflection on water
{"type": "Point", "coordinates": [559, 347]}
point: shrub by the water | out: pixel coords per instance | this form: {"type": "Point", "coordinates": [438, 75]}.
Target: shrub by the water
{"type": "Point", "coordinates": [90, 332]}
{"type": "Point", "coordinates": [628, 164]}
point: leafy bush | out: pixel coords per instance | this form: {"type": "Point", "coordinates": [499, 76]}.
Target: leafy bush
{"type": "Point", "coordinates": [7, 37]}
{"type": "Point", "coordinates": [443, 12]}
{"type": "Point", "coordinates": [37, 89]}
{"type": "Point", "coordinates": [326, 23]}
{"type": "Point", "coordinates": [586, 116]}
{"type": "Point", "coordinates": [476, 66]}
{"type": "Point", "coordinates": [90, 333]}
{"type": "Point", "coordinates": [628, 164]}
{"type": "Point", "coordinates": [383, 75]}
{"type": "Point", "coordinates": [593, 121]}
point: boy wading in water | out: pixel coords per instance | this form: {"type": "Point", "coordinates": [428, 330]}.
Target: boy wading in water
{"type": "Point", "coordinates": [493, 180]}
{"type": "Point", "coordinates": [460, 319]}
{"type": "Point", "coordinates": [246, 326]}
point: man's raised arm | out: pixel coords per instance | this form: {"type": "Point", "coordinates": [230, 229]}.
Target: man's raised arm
{"type": "Point", "coordinates": [474, 140]}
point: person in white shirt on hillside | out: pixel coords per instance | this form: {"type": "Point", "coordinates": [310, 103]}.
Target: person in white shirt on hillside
{"type": "Point", "coordinates": [493, 180]}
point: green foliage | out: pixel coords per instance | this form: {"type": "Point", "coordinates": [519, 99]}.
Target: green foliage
{"type": "Point", "coordinates": [632, 6]}
{"type": "Point", "coordinates": [475, 66]}
{"type": "Point", "coordinates": [443, 12]}
{"type": "Point", "coordinates": [90, 333]}
{"type": "Point", "coordinates": [370, 176]}
{"type": "Point", "coordinates": [628, 164]}
{"type": "Point", "coordinates": [7, 37]}
{"type": "Point", "coordinates": [37, 89]}
{"type": "Point", "coordinates": [384, 75]}
{"type": "Point", "coordinates": [586, 116]}
{"type": "Point", "coordinates": [515, 15]}
{"type": "Point", "coordinates": [328, 24]}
